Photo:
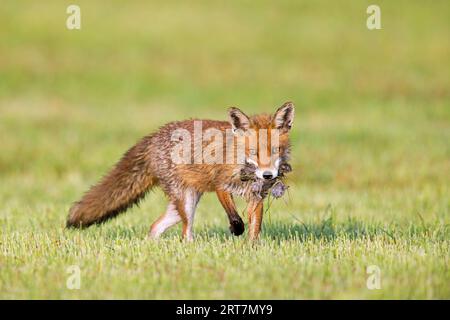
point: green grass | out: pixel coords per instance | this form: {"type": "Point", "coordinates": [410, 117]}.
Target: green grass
{"type": "Point", "coordinates": [371, 145]}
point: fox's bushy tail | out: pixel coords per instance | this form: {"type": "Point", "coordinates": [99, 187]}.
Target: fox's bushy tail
{"type": "Point", "coordinates": [125, 185]}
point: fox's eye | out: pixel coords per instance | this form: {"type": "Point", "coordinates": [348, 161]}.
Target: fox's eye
{"type": "Point", "coordinates": [275, 150]}
{"type": "Point", "coordinates": [253, 152]}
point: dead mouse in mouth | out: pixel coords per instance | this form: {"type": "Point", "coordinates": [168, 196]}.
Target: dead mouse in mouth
{"type": "Point", "coordinates": [260, 188]}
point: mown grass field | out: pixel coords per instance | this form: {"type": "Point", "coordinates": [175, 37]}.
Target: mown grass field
{"type": "Point", "coordinates": [371, 146]}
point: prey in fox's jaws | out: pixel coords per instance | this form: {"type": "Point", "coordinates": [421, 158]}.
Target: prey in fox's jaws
{"type": "Point", "coordinates": [246, 156]}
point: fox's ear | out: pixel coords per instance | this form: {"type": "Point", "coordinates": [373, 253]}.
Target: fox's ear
{"type": "Point", "coordinates": [238, 119]}
{"type": "Point", "coordinates": [284, 116]}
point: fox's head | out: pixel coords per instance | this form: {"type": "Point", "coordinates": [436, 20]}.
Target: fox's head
{"type": "Point", "coordinates": [266, 138]}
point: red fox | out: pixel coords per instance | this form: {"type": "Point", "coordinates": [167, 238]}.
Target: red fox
{"type": "Point", "coordinates": [152, 161]}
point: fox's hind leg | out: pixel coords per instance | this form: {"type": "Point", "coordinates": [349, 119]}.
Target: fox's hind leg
{"type": "Point", "coordinates": [186, 207]}
{"type": "Point", "coordinates": [236, 223]}
{"type": "Point", "coordinates": [167, 220]}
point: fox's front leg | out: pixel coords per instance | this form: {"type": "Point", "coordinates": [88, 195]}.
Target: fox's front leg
{"type": "Point", "coordinates": [236, 224]}
{"type": "Point", "coordinates": [255, 216]}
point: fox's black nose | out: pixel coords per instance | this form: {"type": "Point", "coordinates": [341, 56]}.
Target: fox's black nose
{"type": "Point", "coordinates": [267, 175]}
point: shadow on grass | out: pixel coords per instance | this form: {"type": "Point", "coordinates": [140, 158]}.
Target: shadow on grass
{"type": "Point", "coordinates": [326, 230]}
{"type": "Point", "coordinates": [114, 232]}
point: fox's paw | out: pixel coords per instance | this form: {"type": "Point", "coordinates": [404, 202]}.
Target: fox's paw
{"type": "Point", "coordinates": [237, 227]}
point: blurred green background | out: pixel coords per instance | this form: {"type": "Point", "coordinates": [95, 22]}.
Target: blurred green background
{"type": "Point", "coordinates": [371, 144]}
